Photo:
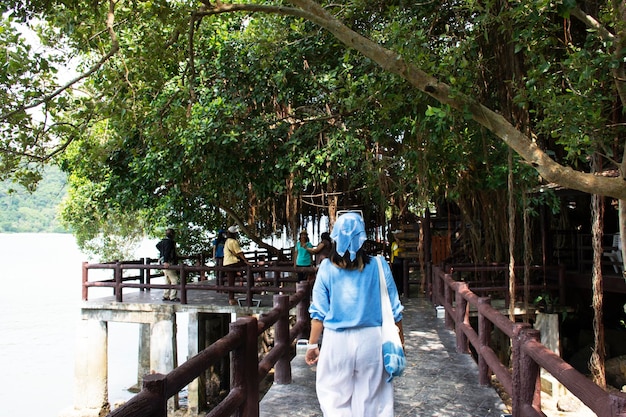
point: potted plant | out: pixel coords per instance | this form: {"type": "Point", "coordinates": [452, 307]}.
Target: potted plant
{"type": "Point", "coordinates": [545, 302]}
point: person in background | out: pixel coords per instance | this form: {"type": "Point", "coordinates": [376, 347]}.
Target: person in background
{"type": "Point", "coordinates": [351, 379]}
{"type": "Point", "coordinates": [233, 257]}
{"type": "Point", "coordinates": [322, 250]}
{"type": "Point", "coordinates": [218, 253]}
{"type": "Point", "coordinates": [397, 264]}
{"type": "Point", "coordinates": [167, 257]}
{"type": "Point", "coordinates": [302, 257]}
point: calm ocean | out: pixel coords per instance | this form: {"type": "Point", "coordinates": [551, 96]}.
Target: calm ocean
{"type": "Point", "coordinates": [39, 311]}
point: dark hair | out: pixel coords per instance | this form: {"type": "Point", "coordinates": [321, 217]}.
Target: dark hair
{"type": "Point", "coordinates": [169, 233]}
{"type": "Point", "coordinates": [326, 236]}
{"type": "Point", "coordinates": [361, 259]}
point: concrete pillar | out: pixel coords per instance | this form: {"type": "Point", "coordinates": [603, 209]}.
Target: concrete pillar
{"type": "Point", "coordinates": [196, 390]}
{"type": "Point", "coordinates": [163, 351]}
{"type": "Point", "coordinates": [143, 360]}
{"type": "Point", "coordinates": [548, 326]}
{"type": "Point", "coordinates": [91, 396]}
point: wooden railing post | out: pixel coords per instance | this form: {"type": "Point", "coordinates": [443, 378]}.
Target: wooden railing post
{"type": "Point", "coordinates": [117, 272]}
{"type": "Point", "coordinates": [302, 310]}
{"type": "Point", "coordinates": [156, 385]}
{"type": "Point", "coordinates": [526, 378]}
{"type": "Point", "coordinates": [618, 403]}
{"type": "Point", "coordinates": [405, 276]}
{"type": "Point", "coordinates": [85, 289]}
{"type": "Point", "coordinates": [448, 296]}
{"type": "Point", "coordinates": [282, 368]}
{"type": "Point", "coordinates": [200, 262]}
{"type": "Point", "coordinates": [249, 285]}
{"type": "Point", "coordinates": [484, 333]}
{"type": "Point", "coordinates": [462, 316]}
{"type": "Point", "coordinates": [148, 272]}
{"type": "Point", "coordinates": [430, 277]}
{"type": "Point", "coordinates": [183, 284]}
{"type": "Point", "coordinates": [142, 273]}
{"type": "Point", "coordinates": [244, 365]}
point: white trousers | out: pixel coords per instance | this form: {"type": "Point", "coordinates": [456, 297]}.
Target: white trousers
{"type": "Point", "coordinates": [350, 378]}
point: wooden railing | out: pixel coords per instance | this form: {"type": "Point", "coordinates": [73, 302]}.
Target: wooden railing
{"type": "Point", "coordinates": [528, 354]}
{"type": "Point", "coordinates": [495, 279]}
{"type": "Point", "coordinates": [246, 369]}
{"type": "Point", "coordinates": [266, 277]}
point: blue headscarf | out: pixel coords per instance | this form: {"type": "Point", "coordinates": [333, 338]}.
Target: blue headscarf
{"type": "Point", "coordinates": [349, 234]}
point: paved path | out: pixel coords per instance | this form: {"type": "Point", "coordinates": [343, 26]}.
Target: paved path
{"type": "Point", "coordinates": [438, 382]}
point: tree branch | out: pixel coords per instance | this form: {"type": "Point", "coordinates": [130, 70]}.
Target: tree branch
{"type": "Point", "coordinates": [253, 236]}
{"type": "Point", "coordinates": [592, 23]}
{"type": "Point", "coordinates": [114, 49]}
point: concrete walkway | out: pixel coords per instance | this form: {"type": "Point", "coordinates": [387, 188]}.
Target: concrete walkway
{"type": "Point", "coordinates": [438, 382]}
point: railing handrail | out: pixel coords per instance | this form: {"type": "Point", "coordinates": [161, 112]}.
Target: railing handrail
{"type": "Point", "coordinates": [119, 281]}
{"type": "Point", "coordinates": [553, 278]}
{"type": "Point", "coordinates": [241, 340]}
{"type": "Point", "coordinates": [528, 354]}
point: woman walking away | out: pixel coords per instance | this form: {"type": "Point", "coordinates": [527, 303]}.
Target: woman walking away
{"type": "Point", "coordinates": [351, 378]}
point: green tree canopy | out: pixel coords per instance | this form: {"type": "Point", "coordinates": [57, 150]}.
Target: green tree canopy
{"type": "Point", "coordinates": [200, 114]}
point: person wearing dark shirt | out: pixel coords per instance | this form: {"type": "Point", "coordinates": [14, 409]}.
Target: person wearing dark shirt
{"type": "Point", "coordinates": [167, 257]}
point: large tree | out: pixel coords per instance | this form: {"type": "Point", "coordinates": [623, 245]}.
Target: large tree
{"type": "Point", "coordinates": [190, 110]}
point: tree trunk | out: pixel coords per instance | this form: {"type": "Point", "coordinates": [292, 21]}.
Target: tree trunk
{"type": "Point", "coordinates": [596, 363]}
{"type": "Point", "coordinates": [511, 240]}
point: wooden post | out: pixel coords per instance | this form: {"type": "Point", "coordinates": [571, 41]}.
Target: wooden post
{"type": "Point", "coordinates": [430, 282]}
{"type": "Point", "coordinates": [530, 375]}
{"type": "Point", "coordinates": [302, 310]}
{"type": "Point", "coordinates": [183, 284]}
{"type": "Point", "coordinates": [618, 403]}
{"type": "Point", "coordinates": [526, 379]}
{"type": "Point", "coordinates": [249, 285]}
{"type": "Point", "coordinates": [405, 277]}
{"type": "Point", "coordinates": [484, 334]}
{"type": "Point", "coordinates": [427, 238]}
{"type": "Point", "coordinates": [462, 316]}
{"type": "Point", "coordinates": [148, 272]}
{"type": "Point", "coordinates": [142, 273]}
{"type": "Point", "coordinates": [201, 261]}
{"type": "Point", "coordinates": [433, 296]}
{"type": "Point", "coordinates": [447, 294]}
{"type": "Point", "coordinates": [282, 368]}
{"type": "Point", "coordinates": [244, 365]}
{"type": "Point", "coordinates": [85, 288]}
{"type": "Point", "coordinates": [156, 385]}
{"type": "Point", "coordinates": [117, 272]}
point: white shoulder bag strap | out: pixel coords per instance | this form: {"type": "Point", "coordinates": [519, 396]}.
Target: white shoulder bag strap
{"type": "Point", "coordinates": [385, 302]}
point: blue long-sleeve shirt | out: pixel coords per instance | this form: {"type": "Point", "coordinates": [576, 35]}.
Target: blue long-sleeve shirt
{"type": "Point", "coordinates": [345, 299]}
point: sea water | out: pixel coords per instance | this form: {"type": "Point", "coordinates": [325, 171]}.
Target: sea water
{"type": "Point", "coordinates": [40, 301]}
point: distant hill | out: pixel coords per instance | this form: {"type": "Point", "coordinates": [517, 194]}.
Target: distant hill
{"type": "Point", "coordinates": [24, 212]}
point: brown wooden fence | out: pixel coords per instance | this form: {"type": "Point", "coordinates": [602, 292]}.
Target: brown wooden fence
{"type": "Point", "coordinates": [246, 369]}
{"type": "Point", "coordinates": [262, 277]}
{"type": "Point", "coordinates": [522, 382]}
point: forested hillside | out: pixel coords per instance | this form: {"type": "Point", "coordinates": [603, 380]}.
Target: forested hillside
{"type": "Point", "coordinates": [22, 211]}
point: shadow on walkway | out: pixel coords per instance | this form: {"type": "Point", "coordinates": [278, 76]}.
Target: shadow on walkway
{"type": "Point", "coordinates": [437, 381]}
